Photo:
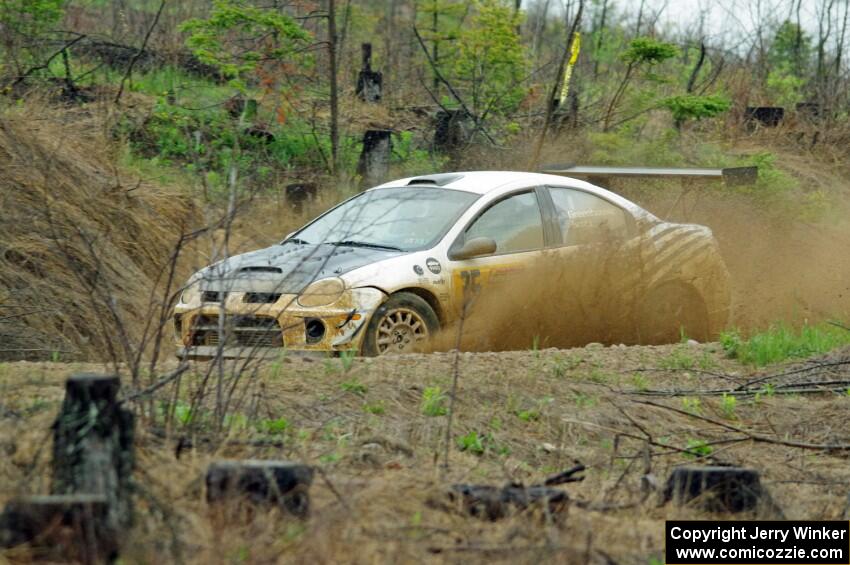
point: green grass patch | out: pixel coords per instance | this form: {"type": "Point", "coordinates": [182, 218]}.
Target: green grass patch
{"type": "Point", "coordinates": [780, 342]}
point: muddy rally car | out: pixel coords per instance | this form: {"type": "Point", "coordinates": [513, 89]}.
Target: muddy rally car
{"type": "Point", "coordinates": [476, 260]}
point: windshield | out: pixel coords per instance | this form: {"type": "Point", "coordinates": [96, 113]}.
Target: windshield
{"type": "Point", "coordinates": [404, 219]}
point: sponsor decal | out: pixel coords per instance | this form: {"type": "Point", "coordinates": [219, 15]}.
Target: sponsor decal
{"type": "Point", "coordinates": [433, 265]}
{"type": "Point", "coordinates": [418, 270]}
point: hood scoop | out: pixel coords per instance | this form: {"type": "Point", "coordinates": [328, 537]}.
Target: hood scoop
{"type": "Point", "coordinates": [260, 269]}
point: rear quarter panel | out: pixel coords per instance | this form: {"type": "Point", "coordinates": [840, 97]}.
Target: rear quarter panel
{"type": "Point", "coordinates": [688, 254]}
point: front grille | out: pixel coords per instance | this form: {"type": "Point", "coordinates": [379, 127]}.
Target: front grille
{"type": "Point", "coordinates": [261, 297]}
{"type": "Point", "coordinates": [240, 331]}
{"type": "Point", "coordinates": [214, 296]}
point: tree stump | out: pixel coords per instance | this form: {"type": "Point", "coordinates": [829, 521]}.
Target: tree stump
{"type": "Point", "coordinates": [717, 489]}
{"type": "Point", "coordinates": [369, 82]}
{"type": "Point", "coordinates": [93, 446]}
{"type": "Point", "coordinates": [493, 503]}
{"type": "Point", "coordinates": [767, 116]}
{"type": "Point", "coordinates": [374, 164]}
{"type": "Point", "coordinates": [261, 483]}
{"type": "Point", "coordinates": [450, 131]}
{"type": "Point", "coordinates": [298, 193]}
{"type": "Point", "coordinates": [68, 528]}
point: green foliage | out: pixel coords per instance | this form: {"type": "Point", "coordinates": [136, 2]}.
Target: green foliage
{"type": "Point", "coordinates": [692, 405]}
{"type": "Point", "coordinates": [346, 359]}
{"type": "Point", "coordinates": [692, 107]}
{"type": "Point", "coordinates": [26, 21]}
{"type": "Point", "coordinates": [276, 426]}
{"type": "Point", "coordinates": [728, 404]}
{"type": "Point", "coordinates": [354, 386]}
{"type": "Point", "coordinates": [791, 47]}
{"type": "Point", "coordinates": [237, 36]}
{"type": "Point", "coordinates": [472, 443]}
{"type": "Point", "coordinates": [30, 18]}
{"type": "Point", "coordinates": [781, 342]}
{"type": "Point", "coordinates": [648, 50]}
{"type": "Point", "coordinates": [784, 86]}
{"type": "Point", "coordinates": [490, 64]}
{"type": "Point", "coordinates": [434, 402]}
{"type": "Point", "coordinates": [376, 408]}
{"type": "Point", "coordinates": [698, 448]}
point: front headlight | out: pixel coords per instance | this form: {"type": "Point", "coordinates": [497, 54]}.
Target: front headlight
{"type": "Point", "coordinates": [321, 293]}
{"type": "Point", "coordinates": [192, 292]}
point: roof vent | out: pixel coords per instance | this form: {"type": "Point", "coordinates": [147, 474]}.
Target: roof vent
{"type": "Point", "coordinates": [436, 180]}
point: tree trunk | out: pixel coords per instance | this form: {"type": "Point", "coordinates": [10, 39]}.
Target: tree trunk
{"type": "Point", "coordinates": [369, 82]}
{"type": "Point", "coordinates": [93, 446]}
{"type": "Point", "coordinates": [334, 87]}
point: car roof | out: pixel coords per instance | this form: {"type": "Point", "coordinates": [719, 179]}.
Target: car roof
{"type": "Point", "coordinates": [486, 182]}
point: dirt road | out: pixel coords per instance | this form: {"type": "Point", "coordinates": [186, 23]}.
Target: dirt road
{"type": "Point", "coordinates": [377, 429]}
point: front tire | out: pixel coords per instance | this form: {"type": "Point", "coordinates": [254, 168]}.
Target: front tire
{"type": "Point", "coordinates": [405, 323]}
{"type": "Point", "coordinates": [670, 311]}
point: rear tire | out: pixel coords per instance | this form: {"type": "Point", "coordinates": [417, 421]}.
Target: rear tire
{"type": "Point", "coordinates": [405, 323]}
{"type": "Point", "coordinates": [670, 311]}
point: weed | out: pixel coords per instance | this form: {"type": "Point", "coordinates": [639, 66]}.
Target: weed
{"type": "Point", "coordinates": [184, 414]}
{"type": "Point", "coordinates": [584, 400]}
{"type": "Point", "coordinates": [236, 422]}
{"type": "Point", "coordinates": [600, 376]}
{"type": "Point", "coordinates": [534, 414]}
{"type": "Point", "coordinates": [528, 415]}
{"type": "Point", "coordinates": [472, 442]}
{"type": "Point", "coordinates": [346, 359]}
{"type": "Point", "coordinates": [276, 366]}
{"type": "Point", "coordinates": [354, 386]}
{"type": "Point", "coordinates": [434, 402]}
{"type": "Point", "coordinates": [640, 381]}
{"type": "Point", "coordinates": [692, 405]}
{"type": "Point", "coordinates": [728, 404]}
{"type": "Point", "coordinates": [560, 365]}
{"type": "Point", "coordinates": [328, 458]}
{"type": "Point", "coordinates": [679, 359]}
{"type": "Point", "coordinates": [535, 346]}
{"type": "Point", "coordinates": [277, 426]}
{"type": "Point", "coordinates": [780, 342]}
{"type": "Point", "coordinates": [376, 408]}
{"type": "Point", "coordinates": [698, 448]}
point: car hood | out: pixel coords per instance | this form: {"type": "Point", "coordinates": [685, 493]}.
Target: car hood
{"type": "Point", "coordinates": [287, 268]}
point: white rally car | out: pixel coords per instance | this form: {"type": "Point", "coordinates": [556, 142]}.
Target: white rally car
{"type": "Point", "coordinates": [480, 260]}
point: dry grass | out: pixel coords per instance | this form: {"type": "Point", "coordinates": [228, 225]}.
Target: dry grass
{"type": "Point", "coordinates": [83, 244]}
{"type": "Point", "coordinates": [539, 411]}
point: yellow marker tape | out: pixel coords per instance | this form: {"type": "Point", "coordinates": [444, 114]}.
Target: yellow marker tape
{"type": "Point", "coordinates": [568, 73]}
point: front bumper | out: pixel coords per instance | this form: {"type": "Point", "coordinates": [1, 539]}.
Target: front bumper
{"type": "Point", "coordinates": [237, 329]}
{"type": "Point", "coordinates": [259, 353]}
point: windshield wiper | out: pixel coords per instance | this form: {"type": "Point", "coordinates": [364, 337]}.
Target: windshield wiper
{"type": "Point", "coordinates": [295, 240]}
{"type": "Point", "coordinates": [349, 243]}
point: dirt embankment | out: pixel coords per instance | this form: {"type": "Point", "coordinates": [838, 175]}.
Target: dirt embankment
{"type": "Point", "coordinates": [84, 246]}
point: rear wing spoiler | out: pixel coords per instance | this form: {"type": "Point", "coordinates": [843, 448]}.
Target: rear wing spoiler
{"type": "Point", "coordinates": [731, 176]}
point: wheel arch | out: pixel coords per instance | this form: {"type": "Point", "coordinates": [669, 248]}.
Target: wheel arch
{"type": "Point", "coordinates": [428, 297]}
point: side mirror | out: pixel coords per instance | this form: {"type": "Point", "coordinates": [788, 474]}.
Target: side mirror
{"type": "Point", "coordinates": [475, 247]}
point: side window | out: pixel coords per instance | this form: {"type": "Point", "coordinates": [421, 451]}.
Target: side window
{"type": "Point", "coordinates": [585, 218]}
{"type": "Point", "coordinates": [513, 223]}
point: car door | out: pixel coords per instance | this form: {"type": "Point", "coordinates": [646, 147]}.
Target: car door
{"type": "Point", "coordinates": [490, 293]}
{"type": "Point", "coordinates": [598, 265]}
